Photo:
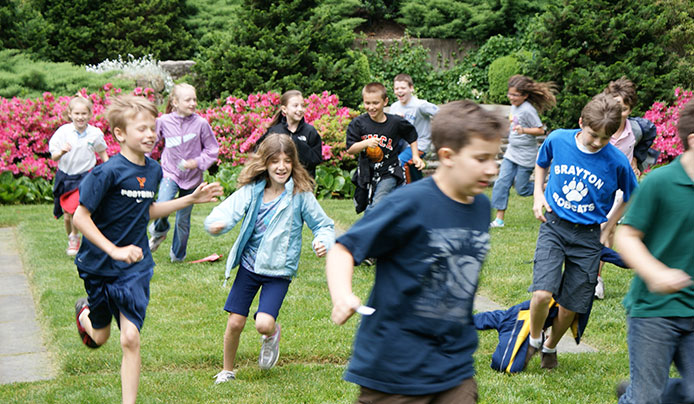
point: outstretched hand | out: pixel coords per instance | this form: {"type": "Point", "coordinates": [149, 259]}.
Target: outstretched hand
{"type": "Point", "coordinates": [207, 192]}
{"type": "Point", "coordinates": [343, 309]}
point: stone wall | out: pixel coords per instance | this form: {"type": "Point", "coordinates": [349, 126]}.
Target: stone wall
{"type": "Point", "coordinates": [451, 50]}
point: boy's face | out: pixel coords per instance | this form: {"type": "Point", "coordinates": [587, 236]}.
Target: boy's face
{"type": "Point", "coordinates": [592, 140]}
{"type": "Point", "coordinates": [80, 115]}
{"type": "Point", "coordinates": [473, 167]}
{"type": "Point", "coordinates": [374, 104]}
{"type": "Point", "coordinates": [139, 135]}
{"type": "Point", "coordinates": [403, 90]}
{"type": "Point", "coordinates": [626, 109]}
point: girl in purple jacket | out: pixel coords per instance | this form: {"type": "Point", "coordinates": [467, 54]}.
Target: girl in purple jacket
{"type": "Point", "coordinates": [190, 148]}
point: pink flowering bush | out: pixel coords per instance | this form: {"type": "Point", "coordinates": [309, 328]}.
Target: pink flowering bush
{"type": "Point", "coordinates": [26, 126]}
{"type": "Point", "coordinates": [238, 123]}
{"type": "Point", "coordinates": [665, 119]}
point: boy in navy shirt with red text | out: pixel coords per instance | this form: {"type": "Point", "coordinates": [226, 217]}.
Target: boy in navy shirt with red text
{"type": "Point", "coordinates": [114, 260]}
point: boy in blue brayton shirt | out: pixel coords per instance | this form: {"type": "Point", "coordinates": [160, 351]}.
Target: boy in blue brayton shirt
{"type": "Point", "coordinates": [585, 171]}
{"type": "Point", "coordinates": [114, 260]}
{"type": "Point", "coordinates": [430, 239]}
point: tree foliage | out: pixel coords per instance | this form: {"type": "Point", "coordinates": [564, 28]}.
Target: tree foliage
{"type": "Point", "coordinates": [470, 20]}
{"type": "Point", "coordinates": [279, 45]}
{"type": "Point", "coordinates": [87, 32]}
{"type": "Point", "coordinates": [583, 44]}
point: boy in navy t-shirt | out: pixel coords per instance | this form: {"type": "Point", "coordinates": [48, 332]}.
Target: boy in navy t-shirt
{"type": "Point", "coordinates": [378, 175]}
{"type": "Point", "coordinates": [430, 239]}
{"type": "Point", "coordinates": [585, 172]}
{"type": "Point", "coordinates": [114, 261]}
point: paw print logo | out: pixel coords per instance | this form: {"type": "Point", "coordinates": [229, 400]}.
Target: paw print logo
{"type": "Point", "coordinates": [575, 191]}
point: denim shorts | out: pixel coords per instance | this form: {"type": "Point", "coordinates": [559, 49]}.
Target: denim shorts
{"type": "Point", "coordinates": [109, 296]}
{"type": "Point", "coordinates": [245, 287]}
{"type": "Point", "coordinates": [574, 247]}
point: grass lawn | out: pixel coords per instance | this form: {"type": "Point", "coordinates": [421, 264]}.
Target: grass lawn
{"type": "Point", "coordinates": [182, 335]}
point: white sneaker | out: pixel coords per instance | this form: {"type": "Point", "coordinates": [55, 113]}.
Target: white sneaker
{"type": "Point", "coordinates": [155, 242]}
{"type": "Point", "coordinates": [497, 223]}
{"type": "Point", "coordinates": [73, 245]}
{"type": "Point", "coordinates": [600, 289]}
{"type": "Point", "coordinates": [270, 351]}
{"type": "Point", "coordinates": [224, 376]}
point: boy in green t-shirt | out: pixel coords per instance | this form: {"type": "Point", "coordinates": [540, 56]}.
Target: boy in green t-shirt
{"type": "Point", "coordinates": [660, 302]}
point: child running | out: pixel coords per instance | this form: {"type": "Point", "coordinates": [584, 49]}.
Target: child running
{"type": "Point", "coordinates": [528, 99]}
{"type": "Point", "coordinates": [73, 146]}
{"type": "Point", "coordinates": [116, 202]}
{"type": "Point", "coordinates": [190, 148]}
{"type": "Point", "coordinates": [430, 239]}
{"type": "Point", "coordinates": [290, 119]}
{"type": "Point", "coordinates": [274, 199]}
{"type": "Point", "coordinates": [585, 172]}
{"type": "Point", "coordinates": [660, 301]}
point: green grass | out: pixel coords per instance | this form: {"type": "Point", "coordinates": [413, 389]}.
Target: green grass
{"type": "Point", "coordinates": [182, 335]}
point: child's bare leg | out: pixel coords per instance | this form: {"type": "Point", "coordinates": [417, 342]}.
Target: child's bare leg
{"type": "Point", "coordinates": [539, 309]}
{"type": "Point", "coordinates": [265, 324]}
{"type": "Point", "coordinates": [130, 367]}
{"type": "Point", "coordinates": [500, 214]}
{"type": "Point", "coordinates": [232, 337]}
{"type": "Point", "coordinates": [99, 335]}
{"type": "Point", "coordinates": [560, 324]}
{"type": "Point", "coordinates": [70, 229]}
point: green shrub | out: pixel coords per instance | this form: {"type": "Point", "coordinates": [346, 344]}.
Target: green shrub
{"type": "Point", "coordinates": [24, 190]}
{"type": "Point", "coordinates": [22, 27]}
{"type": "Point", "coordinates": [22, 76]}
{"type": "Point", "coordinates": [87, 32]}
{"type": "Point", "coordinates": [584, 44]}
{"type": "Point", "coordinates": [333, 182]}
{"type": "Point", "coordinates": [279, 46]}
{"type": "Point", "coordinates": [473, 21]}
{"type": "Point", "coordinates": [499, 72]}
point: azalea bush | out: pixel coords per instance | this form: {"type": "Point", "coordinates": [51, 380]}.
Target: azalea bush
{"type": "Point", "coordinates": [28, 124]}
{"type": "Point", "coordinates": [666, 119]}
{"type": "Point", "coordinates": [238, 123]}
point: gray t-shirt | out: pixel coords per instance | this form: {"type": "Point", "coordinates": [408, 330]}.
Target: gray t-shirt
{"type": "Point", "coordinates": [418, 113]}
{"type": "Point", "coordinates": [522, 148]}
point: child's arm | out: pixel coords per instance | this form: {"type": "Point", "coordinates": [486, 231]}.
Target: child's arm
{"type": "Point", "coordinates": [357, 147]}
{"type": "Point", "coordinates": [203, 193]}
{"type": "Point", "coordinates": [529, 131]}
{"type": "Point", "coordinates": [658, 277]}
{"type": "Point", "coordinates": [322, 227]}
{"type": "Point", "coordinates": [208, 154]}
{"type": "Point", "coordinates": [416, 160]}
{"type": "Point", "coordinates": [55, 156]}
{"type": "Point", "coordinates": [103, 155]}
{"type": "Point", "coordinates": [225, 215]}
{"type": "Point", "coordinates": [539, 200]}
{"type": "Point", "coordinates": [339, 268]}
{"type": "Point", "coordinates": [609, 226]}
{"type": "Point", "coordinates": [84, 223]}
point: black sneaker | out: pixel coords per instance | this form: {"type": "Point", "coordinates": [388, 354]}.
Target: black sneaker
{"type": "Point", "coordinates": [622, 388]}
{"type": "Point", "coordinates": [80, 305]}
{"type": "Point", "coordinates": [529, 354]}
{"type": "Point", "coordinates": [549, 360]}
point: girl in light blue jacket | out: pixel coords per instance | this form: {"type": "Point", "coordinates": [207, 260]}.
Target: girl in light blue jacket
{"type": "Point", "coordinates": [274, 199]}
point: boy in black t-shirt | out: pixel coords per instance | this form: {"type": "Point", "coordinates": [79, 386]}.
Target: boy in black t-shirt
{"type": "Point", "coordinates": [374, 136]}
{"type": "Point", "coordinates": [114, 261]}
{"type": "Point", "coordinates": [430, 240]}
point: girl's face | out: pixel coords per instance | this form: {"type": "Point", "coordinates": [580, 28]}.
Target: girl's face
{"type": "Point", "coordinates": [279, 168]}
{"type": "Point", "coordinates": [294, 110]}
{"type": "Point", "coordinates": [185, 101]}
{"type": "Point", "coordinates": [516, 97]}
{"type": "Point", "coordinates": [80, 116]}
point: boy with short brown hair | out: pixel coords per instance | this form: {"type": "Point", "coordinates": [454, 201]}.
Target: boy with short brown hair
{"type": "Point", "coordinates": [114, 260]}
{"type": "Point", "coordinates": [585, 171]}
{"type": "Point", "coordinates": [430, 239]}
{"type": "Point", "coordinates": [379, 170]}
